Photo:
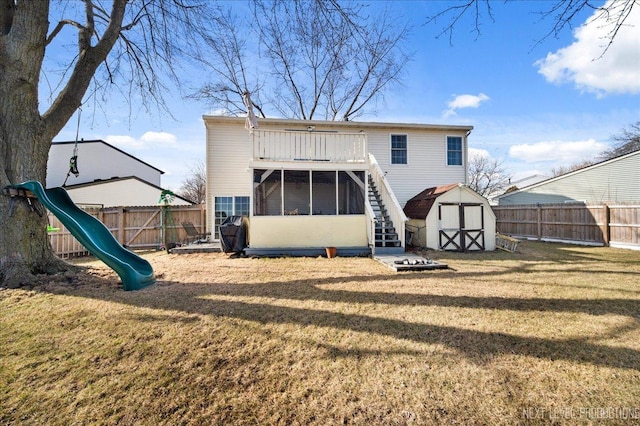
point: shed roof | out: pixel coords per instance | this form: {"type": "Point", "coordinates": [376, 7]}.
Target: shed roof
{"type": "Point", "coordinates": [419, 206]}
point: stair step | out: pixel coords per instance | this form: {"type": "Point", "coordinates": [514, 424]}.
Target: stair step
{"type": "Point", "coordinates": [395, 243]}
{"type": "Point", "coordinates": [387, 227]}
{"type": "Point", "coordinates": [387, 237]}
{"type": "Point", "coordinates": [384, 220]}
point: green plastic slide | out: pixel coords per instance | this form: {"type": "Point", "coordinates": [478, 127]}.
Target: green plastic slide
{"type": "Point", "coordinates": [134, 271]}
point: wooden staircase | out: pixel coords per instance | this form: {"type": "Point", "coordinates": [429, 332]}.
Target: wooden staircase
{"type": "Point", "coordinates": [386, 237]}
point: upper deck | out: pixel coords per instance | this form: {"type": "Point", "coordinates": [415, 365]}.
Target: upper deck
{"type": "Point", "coordinates": [309, 145]}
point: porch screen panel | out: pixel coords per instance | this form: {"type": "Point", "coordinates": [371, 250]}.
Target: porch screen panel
{"type": "Point", "coordinates": [324, 192]}
{"type": "Point", "coordinates": [351, 192]}
{"type": "Point", "coordinates": [297, 195]}
{"type": "Point", "coordinates": [267, 193]}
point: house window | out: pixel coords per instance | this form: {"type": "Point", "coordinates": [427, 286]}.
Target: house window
{"type": "Point", "coordinates": [223, 207]}
{"type": "Point", "coordinates": [398, 149]}
{"type": "Point", "coordinates": [241, 206]}
{"type": "Point", "coordinates": [454, 151]}
{"type": "Point", "coordinates": [228, 206]}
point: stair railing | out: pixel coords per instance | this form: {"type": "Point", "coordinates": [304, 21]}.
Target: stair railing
{"type": "Point", "coordinates": [371, 224]}
{"type": "Point", "coordinates": [388, 198]}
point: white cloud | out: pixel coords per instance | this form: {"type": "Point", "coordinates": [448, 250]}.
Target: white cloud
{"type": "Point", "coordinates": [154, 138]}
{"type": "Point", "coordinates": [477, 152]}
{"type": "Point", "coordinates": [464, 101]}
{"type": "Point", "coordinates": [583, 62]}
{"type": "Point", "coordinates": [146, 141]}
{"type": "Point", "coordinates": [558, 151]}
{"type": "Point", "coordinates": [122, 141]}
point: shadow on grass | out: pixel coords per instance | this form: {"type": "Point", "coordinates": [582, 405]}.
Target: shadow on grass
{"type": "Point", "coordinates": [216, 300]}
{"type": "Point", "coordinates": [477, 346]}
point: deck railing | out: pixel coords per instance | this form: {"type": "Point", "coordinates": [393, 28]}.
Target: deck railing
{"type": "Point", "coordinates": [293, 145]}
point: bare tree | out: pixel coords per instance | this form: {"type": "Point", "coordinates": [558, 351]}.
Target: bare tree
{"type": "Point", "coordinates": [562, 14]}
{"type": "Point", "coordinates": [194, 186]}
{"type": "Point", "coordinates": [487, 176]}
{"type": "Point", "coordinates": [121, 49]}
{"type": "Point", "coordinates": [628, 140]}
{"type": "Point", "coordinates": [310, 59]}
{"type": "Point", "coordinates": [230, 56]}
{"type": "Point", "coordinates": [561, 170]}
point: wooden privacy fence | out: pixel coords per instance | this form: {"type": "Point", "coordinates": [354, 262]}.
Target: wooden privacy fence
{"type": "Point", "coordinates": [617, 225]}
{"type": "Point", "coordinates": [134, 227]}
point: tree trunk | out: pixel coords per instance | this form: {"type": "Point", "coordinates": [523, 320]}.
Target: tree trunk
{"type": "Point", "coordinates": [24, 148]}
{"type": "Point", "coordinates": [24, 244]}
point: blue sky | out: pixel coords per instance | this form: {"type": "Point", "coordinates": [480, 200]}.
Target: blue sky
{"type": "Point", "coordinates": [534, 106]}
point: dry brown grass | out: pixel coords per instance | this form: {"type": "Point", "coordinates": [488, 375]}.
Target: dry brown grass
{"type": "Point", "coordinates": [547, 335]}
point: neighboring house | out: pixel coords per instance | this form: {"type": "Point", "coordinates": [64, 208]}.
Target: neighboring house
{"type": "Point", "coordinates": [306, 185]}
{"type": "Point", "coordinates": [614, 180]}
{"type": "Point", "coordinates": [526, 181]}
{"type": "Point", "coordinates": [451, 217]}
{"type": "Point", "coordinates": [514, 185]}
{"type": "Point", "coordinates": [116, 192]}
{"type": "Point", "coordinates": [107, 176]}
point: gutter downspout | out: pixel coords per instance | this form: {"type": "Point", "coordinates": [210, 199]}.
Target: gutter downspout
{"type": "Point", "coordinates": [466, 158]}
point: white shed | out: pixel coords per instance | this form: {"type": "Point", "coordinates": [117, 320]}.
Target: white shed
{"type": "Point", "coordinates": [451, 217]}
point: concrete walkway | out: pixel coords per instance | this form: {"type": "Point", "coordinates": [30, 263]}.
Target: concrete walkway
{"type": "Point", "coordinates": [197, 248]}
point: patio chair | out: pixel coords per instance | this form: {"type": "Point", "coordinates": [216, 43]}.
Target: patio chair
{"type": "Point", "coordinates": [193, 235]}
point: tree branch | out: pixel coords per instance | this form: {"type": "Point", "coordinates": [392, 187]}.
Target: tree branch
{"type": "Point", "coordinates": [70, 97]}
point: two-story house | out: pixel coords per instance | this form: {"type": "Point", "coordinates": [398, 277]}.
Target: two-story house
{"type": "Point", "coordinates": [307, 185]}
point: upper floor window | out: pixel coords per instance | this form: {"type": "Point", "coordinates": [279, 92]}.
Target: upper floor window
{"type": "Point", "coordinates": [454, 151]}
{"type": "Point", "coordinates": [398, 149]}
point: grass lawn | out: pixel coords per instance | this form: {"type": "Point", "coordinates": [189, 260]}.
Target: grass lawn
{"type": "Point", "coordinates": [550, 334]}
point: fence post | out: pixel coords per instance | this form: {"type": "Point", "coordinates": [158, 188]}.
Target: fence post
{"type": "Point", "coordinates": [539, 220]}
{"type": "Point", "coordinates": [121, 225]}
{"type": "Point", "coordinates": [606, 232]}
{"type": "Point", "coordinates": [203, 218]}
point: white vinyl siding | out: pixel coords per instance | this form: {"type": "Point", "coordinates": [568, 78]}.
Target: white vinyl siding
{"type": "Point", "coordinates": [125, 192]}
{"type": "Point", "coordinates": [96, 160]}
{"type": "Point", "coordinates": [229, 156]}
{"type": "Point", "coordinates": [616, 180]}
{"type": "Point", "coordinates": [426, 166]}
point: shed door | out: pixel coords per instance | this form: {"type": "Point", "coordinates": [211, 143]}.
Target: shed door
{"type": "Point", "coordinates": [461, 226]}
